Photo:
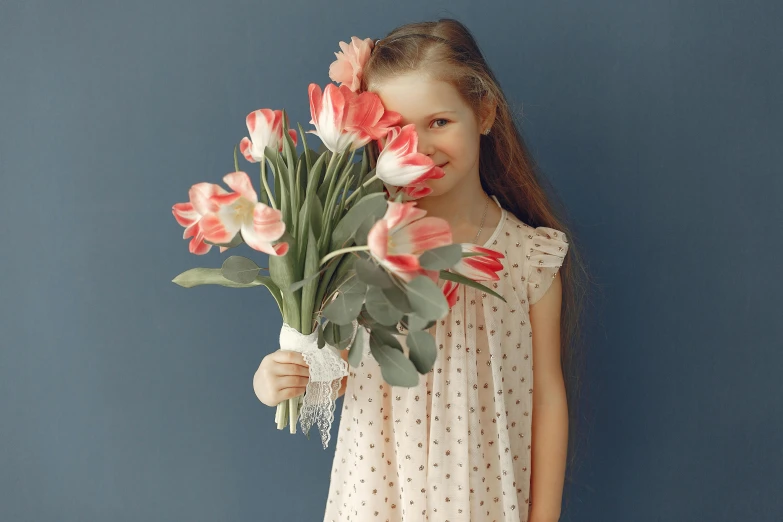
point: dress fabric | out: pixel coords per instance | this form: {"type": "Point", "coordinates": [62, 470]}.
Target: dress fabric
{"type": "Point", "coordinates": [457, 446]}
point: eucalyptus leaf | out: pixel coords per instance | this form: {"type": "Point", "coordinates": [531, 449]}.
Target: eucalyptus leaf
{"type": "Point", "coordinates": [357, 348]}
{"type": "Point", "coordinates": [240, 269]}
{"type": "Point", "coordinates": [214, 276]}
{"type": "Point", "coordinates": [396, 369]}
{"type": "Point", "coordinates": [457, 278]}
{"type": "Point", "coordinates": [344, 308]}
{"type": "Point", "coordinates": [354, 285]}
{"type": "Point", "coordinates": [398, 298]}
{"type": "Point", "coordinates": [427, 299]}
{"type": "Point", "coordinates": [345, 335]}
{"type": "Point", "coordinates": [421, 350]}
{"type": "Point", "coordinates": [441, 258]}
{"type": "Point", "coordinates": [414, 322]}
{"type": "Point", "coordinates": [372, 274]}
{"type": "Point", "coordinates": [330, 333]}
{"type": "Point", "coordinates": [380, 308]}
{"type": "Point", "coordinates": [380, 335]}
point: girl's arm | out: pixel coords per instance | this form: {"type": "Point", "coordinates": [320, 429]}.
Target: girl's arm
{"type": "Point", "coordinates": [550, 410]}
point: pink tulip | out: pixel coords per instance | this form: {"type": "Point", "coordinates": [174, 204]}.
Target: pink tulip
{"type": "Point", "coordinates": [483, 267]}
{"type": "Point", "coordinates": [400, 166]}
{"type": "Point", "coordinates": [450, 291]}
{"type": "Point", "coordinates": [349, 66]}
{"type": "Point", "coordinates": [223, 214]}
{"type": "Point", "coordinates": [344, 119]}
{"type": "Point", "coordinates": [402, 235]}
{"type": "Point", "coordinates": [190, 218]}
{"type": "Point", "coordinates": [266, 130]}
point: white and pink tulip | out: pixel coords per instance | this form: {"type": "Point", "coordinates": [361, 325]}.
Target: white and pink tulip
{"type": "Point", "coordinates": [221, 214]}
{"type": "Point", "coordinates": [402, 168]}
{"type": "Point", "coordinates": [345, 120]}
{"type": "Point", "coordinates": [483, 267]}
{"type": "Point", "coordinates": [189, 217]}
{"type": "Point", "coordinates": [266, 130]}
{"type": "Point", "coordinates": [402, 235]}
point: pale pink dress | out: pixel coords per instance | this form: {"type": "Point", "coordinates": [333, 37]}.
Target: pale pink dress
{"type": "Point", "coordinates": [456, 447]}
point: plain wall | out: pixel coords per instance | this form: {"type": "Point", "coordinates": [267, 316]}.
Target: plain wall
{"type": "Point", "coordinates": [124, 397]}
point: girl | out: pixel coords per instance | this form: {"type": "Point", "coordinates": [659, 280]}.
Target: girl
{"type": "Point", "coordinates": [474, 440]}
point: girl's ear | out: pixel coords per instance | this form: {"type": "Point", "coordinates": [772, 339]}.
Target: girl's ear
{"type": "Point", "coordinates": [489, 111]}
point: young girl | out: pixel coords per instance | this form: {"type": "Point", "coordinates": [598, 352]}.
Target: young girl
{"type": "Point", "coordinates": [474, 440]}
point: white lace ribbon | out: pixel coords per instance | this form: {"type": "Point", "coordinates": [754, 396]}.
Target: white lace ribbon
{"type": "Point", "coordinates": [327, 369]}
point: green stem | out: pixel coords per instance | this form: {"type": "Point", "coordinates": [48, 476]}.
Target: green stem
{"type": "Point", "coordinates": [356, 192]}
{"type": "Point", "coordinates": [336, 253]}
{"type": "Point", "coordinates": [266, 184]}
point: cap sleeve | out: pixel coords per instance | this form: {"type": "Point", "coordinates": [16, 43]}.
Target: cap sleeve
{"type": "Point", "coordinates": [547, 248]}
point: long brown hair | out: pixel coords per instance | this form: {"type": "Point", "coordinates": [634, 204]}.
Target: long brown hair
{"type": "Point", "coordinates": [446, 51]}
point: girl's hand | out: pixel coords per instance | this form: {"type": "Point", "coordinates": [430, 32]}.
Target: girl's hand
{"type": "Point", "coordinates": [282, 375]}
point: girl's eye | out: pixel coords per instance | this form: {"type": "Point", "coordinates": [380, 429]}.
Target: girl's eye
{"type": "Point", "coordinates": [442, 119]}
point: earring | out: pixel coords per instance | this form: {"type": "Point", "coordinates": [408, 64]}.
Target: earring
{"type": "Point", "coordinates": [486, 132]}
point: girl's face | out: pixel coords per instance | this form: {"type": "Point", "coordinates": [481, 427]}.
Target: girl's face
{"type": "Point", "coordinates": [447, 129]}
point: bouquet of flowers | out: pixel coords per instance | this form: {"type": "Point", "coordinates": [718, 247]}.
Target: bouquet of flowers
{"type": "Point", "coordinates": [351, 257]}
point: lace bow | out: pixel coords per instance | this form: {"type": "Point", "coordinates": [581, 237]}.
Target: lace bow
{"type": "Point", "coordinates": [327, 369]}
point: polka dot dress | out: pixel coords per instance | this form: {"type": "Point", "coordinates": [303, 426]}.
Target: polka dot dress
{"type": "Point", "coordinates": [456, 447]}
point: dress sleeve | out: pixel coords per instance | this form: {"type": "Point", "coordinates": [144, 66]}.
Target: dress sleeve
{"type": "Point", "coordinates": [547, 248]}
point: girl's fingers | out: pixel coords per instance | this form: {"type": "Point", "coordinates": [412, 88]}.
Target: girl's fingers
{"type": "Point", "coordinates": [290, 357]}
{"type": "Point", "coordinates": [290, 393]}
{"type": "Point", "coordinates": [293, 381]}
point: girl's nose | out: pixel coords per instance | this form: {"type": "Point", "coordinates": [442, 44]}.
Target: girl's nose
{"type": "Point", "coordinates": [425, 146]}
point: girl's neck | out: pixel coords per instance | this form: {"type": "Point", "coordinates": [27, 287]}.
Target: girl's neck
{"type": "Point", "coordinates": [463, 207]}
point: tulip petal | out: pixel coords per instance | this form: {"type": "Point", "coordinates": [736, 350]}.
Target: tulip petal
{"type": "Point", "coordinates": [185, 214]}
{"type": "Point", "coordinates": [421, 235]}
{"type": "Point", "coordinates": [240, 183]}
{"type": "Point", "coordinates": [378, 239]}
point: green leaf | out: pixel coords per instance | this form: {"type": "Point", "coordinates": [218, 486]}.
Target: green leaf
{"type": "Point", "coordinates": [380, 335]}
{"type": "Point", "coordinates": [442, 257]}
{"type": "Point", "coordinates": [281, 268]}
{"type": "Point", "coordinates": [370, 205]}
{"type": "Point", "coordinates": [396, 369]}
{"type": "Point", "coordinates": [310, 269]}
{"type": "Point", "coordinates": [360, 238]}
{"type": "Point", "coordinates": [357, 348]}
{"type": "Point", "coordinates": [214, 276]}
{"type": "Point", "coordinates": [398, 298]}
{"type": "Point", "coordinates": [427, 299]}
{"type": "Point", "coordinates": [372, 274]}
{"type": "Point", "coordinates": [457, 278]}
{"type": "Point", "coordinates": [330, 333]}
{"type": "Point", "coordinates": [338, 335]}
{"type": "Point", "coordinates": [345, 336]}
{"type": "Point", "coordinates": [299, 284]}
{"type": "Point", "coordinates": [414, 322]}
{"type": "Point", "coordinates": [421, 349]}
{"type": "Point", "coordinates": [240, 269]}
{"type": "Point", "coordinates": [380, 308]}
{"type": "Point", "coordinates": [354, 285]}
{"type": "Point", "coordinates": [320, 337]}
{"type": "Point", "coordinates": [344, 308]}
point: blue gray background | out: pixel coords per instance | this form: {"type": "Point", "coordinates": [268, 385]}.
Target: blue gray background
{"type": "Point", "coordinates": [124, 397]}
